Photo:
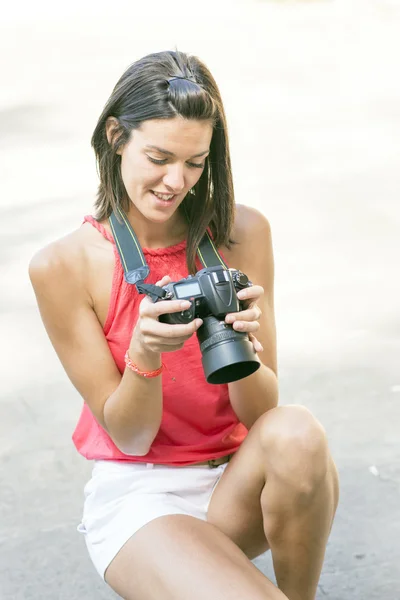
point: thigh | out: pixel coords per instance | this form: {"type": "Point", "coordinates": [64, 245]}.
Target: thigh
{"type": "Point", "coordinates": [235, 506]}
{"type": "Point", "coordinates": [177, 557]}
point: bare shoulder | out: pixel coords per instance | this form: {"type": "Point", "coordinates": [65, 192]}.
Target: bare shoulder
{"type": "Point", "coordinates": [250, 224]}
{"type": "Point", "coordinates": [68, 260]}
{"type": "Point", "coordinates": [252, 250]}
{"type": "Point", "coordinates": [60, 263]}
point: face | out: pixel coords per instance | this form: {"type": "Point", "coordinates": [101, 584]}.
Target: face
{"type": "Point", "coordinates": [161, 162]}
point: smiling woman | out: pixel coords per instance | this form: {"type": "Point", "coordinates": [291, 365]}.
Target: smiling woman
{"type": "Point", "coordinates": [168, 96]}
{"type": "Point", "coordinates": [156, 179]}
{"type": "Point", "coordinates": [191, 480]}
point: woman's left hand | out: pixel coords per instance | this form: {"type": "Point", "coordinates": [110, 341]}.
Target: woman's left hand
{"type": "Point", "coordinates": [247, 319]}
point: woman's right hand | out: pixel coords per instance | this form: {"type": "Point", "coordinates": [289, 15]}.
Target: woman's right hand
{"type": "Point", "coordinates": [152, 335]}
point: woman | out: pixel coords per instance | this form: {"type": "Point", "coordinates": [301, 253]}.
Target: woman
{"type": "Point", "coordinates": [155, 521]}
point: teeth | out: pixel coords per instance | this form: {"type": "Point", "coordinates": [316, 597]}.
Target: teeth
{"type": "Point", "coordinates": [164, 196]}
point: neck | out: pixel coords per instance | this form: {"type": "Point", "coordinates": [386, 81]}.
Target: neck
{"type": "Point", "coordinates": [157, 235]}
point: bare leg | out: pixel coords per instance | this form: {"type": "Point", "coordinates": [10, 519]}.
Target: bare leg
{"type": "Point", "coordinates": [179, 557]}
{"type": "Point", "coordinates": [285, 462]}
{"type": "Point", "coordinates": [298, 502]}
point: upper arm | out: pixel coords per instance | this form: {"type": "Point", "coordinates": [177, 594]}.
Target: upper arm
{"type": "Point", "coordinates": [255, 257]}
{"type": "Point", "coordinates": [73, 327]}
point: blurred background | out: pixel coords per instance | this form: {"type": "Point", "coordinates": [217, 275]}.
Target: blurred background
{"type": "Point", "coordinates": [312, 94]}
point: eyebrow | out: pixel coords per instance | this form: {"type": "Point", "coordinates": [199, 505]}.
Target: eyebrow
{"type": "Point", "coordinates": [168, 153]}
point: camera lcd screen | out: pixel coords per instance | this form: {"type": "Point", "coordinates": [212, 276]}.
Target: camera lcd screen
{"type": "Point", "coordinates": [187, 289]}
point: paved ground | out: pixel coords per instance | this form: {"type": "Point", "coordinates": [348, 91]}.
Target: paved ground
{"type": "Point", "coordinates": [312, 95]}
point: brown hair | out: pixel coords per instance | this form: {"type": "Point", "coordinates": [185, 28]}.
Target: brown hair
{"type": "Point", "coordinates": [147, 90]}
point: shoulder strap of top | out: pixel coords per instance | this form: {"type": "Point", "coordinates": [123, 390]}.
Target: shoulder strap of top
{"type": "Point", "coordinates": [99, 227]}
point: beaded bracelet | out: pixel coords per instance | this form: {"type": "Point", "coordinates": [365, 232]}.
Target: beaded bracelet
{"type": "Point", "coordinates": [136, 369]}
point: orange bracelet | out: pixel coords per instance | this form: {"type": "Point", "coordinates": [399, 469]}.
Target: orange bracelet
{"type": "Point", "coordinates": [136, 369]}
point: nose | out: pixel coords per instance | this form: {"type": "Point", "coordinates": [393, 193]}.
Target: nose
{"type": "Point", "coordinates": [174, 178]}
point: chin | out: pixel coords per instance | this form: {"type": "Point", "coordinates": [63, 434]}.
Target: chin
{"type": "Point", "coordinates": [157, 217]}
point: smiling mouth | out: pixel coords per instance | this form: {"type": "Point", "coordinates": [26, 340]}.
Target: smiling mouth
{"type": "Point", "coordinates": [163, 197]}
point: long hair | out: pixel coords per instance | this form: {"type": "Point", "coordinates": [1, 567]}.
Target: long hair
{"type": "Point", "coordinates": [148, 90]}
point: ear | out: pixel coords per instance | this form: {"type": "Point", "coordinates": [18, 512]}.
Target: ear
{"type": "Point", "coordinates": [111, 127]}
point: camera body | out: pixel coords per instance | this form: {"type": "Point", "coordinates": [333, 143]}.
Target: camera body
{"type": "Point", "coordinates": [212, 292]}
{"type": "Point", "coordinates": [227, 355]}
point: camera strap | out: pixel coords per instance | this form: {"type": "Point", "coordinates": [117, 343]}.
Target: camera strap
{"type": "Point", "coordinates": [134, 263]}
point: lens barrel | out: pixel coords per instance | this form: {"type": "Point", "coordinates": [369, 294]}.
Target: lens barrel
{"type": "Point", "coordinates": [227, 355]}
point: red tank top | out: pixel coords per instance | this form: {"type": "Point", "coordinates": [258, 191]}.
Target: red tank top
{"type": "Point", "coordinates": [198, 421]}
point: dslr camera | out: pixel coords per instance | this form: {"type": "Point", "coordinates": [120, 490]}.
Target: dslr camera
{"type": "Point", "coordinates": [227, 355]}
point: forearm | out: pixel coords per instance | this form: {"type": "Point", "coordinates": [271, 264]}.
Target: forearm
{"type": "Point", "coordinates": [254, 395]}
{"type": "Point", "coordinates": [133, 412]}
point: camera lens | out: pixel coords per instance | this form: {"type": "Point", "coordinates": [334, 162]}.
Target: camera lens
{"type": "Point", "coordinates": [227, 355]}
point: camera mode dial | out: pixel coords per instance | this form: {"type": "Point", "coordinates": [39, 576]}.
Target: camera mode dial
{"type": "Point", "coordinates": [240, 279]}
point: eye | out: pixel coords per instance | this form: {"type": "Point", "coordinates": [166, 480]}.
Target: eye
{"type": "Point", "coordinates": [165, 160]}
{"type": "Point", "coordinates": [196, 165]}
{"type": "Point", "coordinates": [157, 162]}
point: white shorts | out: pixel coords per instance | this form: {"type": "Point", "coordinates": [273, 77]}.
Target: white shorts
{"type": "Point", "coordinates": [121, 497]}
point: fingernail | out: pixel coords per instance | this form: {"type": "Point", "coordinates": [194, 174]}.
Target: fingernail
{"type": "Point", "coordinates": [185, 304]}
{"type": "Point", "coordinates": [199, 323]}
{"type": "Point", "coordinates": [241, 294]}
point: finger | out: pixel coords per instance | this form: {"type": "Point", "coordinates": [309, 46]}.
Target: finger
{"type": "Point", "coordinates": [162, 307]}
{"type": "Point", "coordinates": [164, 281]}
{"type": "Point", "coordinates": [165, 331]}
{"type": "Point", "coordinates": [256, 343]}
{"type": "Point", "coordinates": [246, 326]}
{"type": "Point", "coordinates": [250, 314]}
{"type": "Point", "coordinates": [254, 291]}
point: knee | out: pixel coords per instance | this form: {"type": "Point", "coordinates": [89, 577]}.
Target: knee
{"type": "Point", "coordinates": [295, 447]}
